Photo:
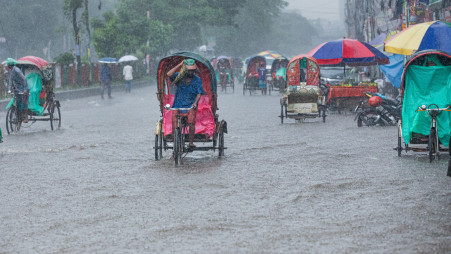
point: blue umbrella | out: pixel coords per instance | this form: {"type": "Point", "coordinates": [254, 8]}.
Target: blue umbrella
{"type": "Point", "coordinates": [108, 60]}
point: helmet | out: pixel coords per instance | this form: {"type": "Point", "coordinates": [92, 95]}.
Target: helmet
{"type": "Point", "coordinates": [375, 101]}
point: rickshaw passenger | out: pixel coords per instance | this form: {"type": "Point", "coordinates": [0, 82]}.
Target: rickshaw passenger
{"type": "Point", "coordinates": [187, 95]}
{"type": "Point", "coordinates": [18, 82]}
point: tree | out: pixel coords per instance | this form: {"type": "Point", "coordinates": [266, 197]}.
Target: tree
{"type": "Point", "coordinates": [171, 24]}
{"type": "Point", "coordinates": [70, 10]}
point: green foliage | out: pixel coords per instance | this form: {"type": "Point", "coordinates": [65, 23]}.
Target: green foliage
{"type": "Point", "coordinates": [65, 58]}
{"type": "Point", "coordinates": [172, 24]}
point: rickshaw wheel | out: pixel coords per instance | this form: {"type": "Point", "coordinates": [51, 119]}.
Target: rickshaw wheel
{"type": "Point", "coordinates": [56, 119]}
{"type": "Point", "coordinates": [157, 148]}
{"type": "Point", "coordinates": [449, 159]}
{"type": "Point", "coordinates": [432, 145]}
{"type": "Point", "coordinates": [177, 148]}
{"type": "Point", "coordinates": [281, 114]}
{"type": "Point", "coordinates": [399, 148]}
{"type": "Point", "coordinates": [11, 120]}
{"type": "Point", "coordinates": [221, 143]}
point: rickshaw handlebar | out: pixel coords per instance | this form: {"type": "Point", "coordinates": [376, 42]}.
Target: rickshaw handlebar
{"type": "Point", "coordinates": [168, 107]}
{"type": "Point", "coordinates": [435, 109]}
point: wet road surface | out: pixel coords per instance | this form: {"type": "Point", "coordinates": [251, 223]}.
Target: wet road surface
{"type": "Point", "coordinates": [306, 187]}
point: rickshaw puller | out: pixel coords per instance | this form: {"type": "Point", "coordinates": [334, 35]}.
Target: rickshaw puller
{"type": "Point", "coordinates": [18, 85]}
{"type": "Point", "coordinates": [188, 92]}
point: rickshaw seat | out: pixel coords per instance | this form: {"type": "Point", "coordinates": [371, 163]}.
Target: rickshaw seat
{"type": "Point", "coordinates": [205, 122]}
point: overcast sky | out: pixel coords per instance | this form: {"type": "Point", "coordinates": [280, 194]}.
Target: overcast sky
{"type": "Point", "coordinates": [313, 9]}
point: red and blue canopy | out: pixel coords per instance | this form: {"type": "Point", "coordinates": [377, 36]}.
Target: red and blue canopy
{"type": "Point", "coordinates": [347, 52]}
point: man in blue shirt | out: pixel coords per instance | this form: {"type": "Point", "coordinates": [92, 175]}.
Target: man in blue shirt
{"type": "Point", "coordinates": [187, 95]}
{"type": "Point", "coordinates": [18, 85]}
{"type": "Point", "coordinates": [105, 78]}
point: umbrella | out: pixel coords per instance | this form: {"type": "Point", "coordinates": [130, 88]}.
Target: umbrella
{"type": "Point", "coordinates": [128, 58]}
{"type": "Point", "coordinates": [205, 48]}
{"type": "Point", "coordinates": [108, 60]}
{"type": "Point", "coordinates": [429, 35]}
{"type": "Point", "coordinates": [381, 38]}
{"type": "Point", "coordinates": [33, 60]}
{"type": "Point", "coordinates": [347, 52]}
{"type": "Point", "coordinates": [269, 53]}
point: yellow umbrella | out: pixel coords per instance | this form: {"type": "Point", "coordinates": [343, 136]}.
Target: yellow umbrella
{"type": "Point", "coordinates": [428, 35]}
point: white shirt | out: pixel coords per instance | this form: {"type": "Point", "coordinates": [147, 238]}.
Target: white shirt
{"type": "Point", "coordinates": [128, 72]}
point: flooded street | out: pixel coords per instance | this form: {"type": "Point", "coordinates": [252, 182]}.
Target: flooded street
{"type": "Point", "coordinates": [308, 187]}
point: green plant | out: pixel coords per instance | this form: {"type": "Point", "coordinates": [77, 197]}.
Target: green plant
{"type": "Point", "coordinates": [65, 58]}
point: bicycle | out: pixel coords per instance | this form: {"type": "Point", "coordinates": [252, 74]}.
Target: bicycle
{"type": "Point", "coordinates": [433, 142]}
{"type": "Point", "coordinates": [178, 137]}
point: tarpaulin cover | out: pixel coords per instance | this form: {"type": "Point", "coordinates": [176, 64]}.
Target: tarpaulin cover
{"type": "Point", "coordinates": [425, 85]}
{"type": "Point", "coordinates": [393, 70]}
{"type": "Point", "coordinates": [205, 122]}
{"type": "Point", "coordinates": [33, 60]}
{"type": "Point", "coordinates": [34, 81]}
{"type": "Point", "coordinates": [354, 91]}
{"type": "Point", "coordinates": [282, 72]}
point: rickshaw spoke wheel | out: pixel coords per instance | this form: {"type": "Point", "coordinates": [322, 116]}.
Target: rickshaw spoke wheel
{"type": "Point", "coordinates": [281, 114]}
{"type": "Point", "coordinates": [55, 117]}
{"type": "Point", "coordinates": [156, 147]}
{"type": "Point", "coordinates": [12, 120]}
{"type": "Point", "coordinates": [177, 147]}
{"type": "Point", "coordinates": [221, 143]}
{"type": "Point", "coordinates": [431, 145]}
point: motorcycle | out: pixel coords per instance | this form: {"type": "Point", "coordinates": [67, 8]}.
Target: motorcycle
{"type": "Point", "coordinates": [382, 111]}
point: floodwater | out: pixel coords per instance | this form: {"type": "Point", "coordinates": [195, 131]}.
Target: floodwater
{"type": "Point", "coordinates": [297, 187]}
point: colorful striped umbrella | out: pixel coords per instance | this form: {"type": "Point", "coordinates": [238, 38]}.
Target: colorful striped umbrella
{"type": "Point", "coordinates": [429, 35]}
{"type": "Point", "coordinates": [347, 52]}
{"type": "Point", "coordinates": [269, 53]}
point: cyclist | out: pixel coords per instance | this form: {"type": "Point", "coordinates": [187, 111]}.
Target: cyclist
{"type": "Point", "coordinates": [18, 85]}
{"type": "Point", "coordinates": [187, 95]}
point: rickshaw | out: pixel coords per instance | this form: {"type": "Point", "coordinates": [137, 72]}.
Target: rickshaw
{"type": "Point", "coordinates": [42, 105]}
{"type": "Point", "coordinates": [278, 74]}
{"type": "Point", "coordinates": [209, 130]}
{"type": "Point", "coordinates": [303, 96]}
{"type": "Point", "coordinates": [224, 72]}
{"type": "Point", "coordinates": [251, 79]}
{"type": "Point", "coordinates": [425, 124]}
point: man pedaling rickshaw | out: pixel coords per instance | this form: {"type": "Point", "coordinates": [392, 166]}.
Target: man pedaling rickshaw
{"type": "Point", "coordinates": [188, 92]}
{"type": "Point", "coordinates": [18, 85]}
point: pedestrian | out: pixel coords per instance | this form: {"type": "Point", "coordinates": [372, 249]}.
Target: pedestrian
{"type": "Point", "coordinates": [17, 84]}
{"type": "Point", "coordinates": [105, 78]}
{"type": "Point", "coordinates": [128, 77]}
{"type": "Point", "coordinates": [262, 77]}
